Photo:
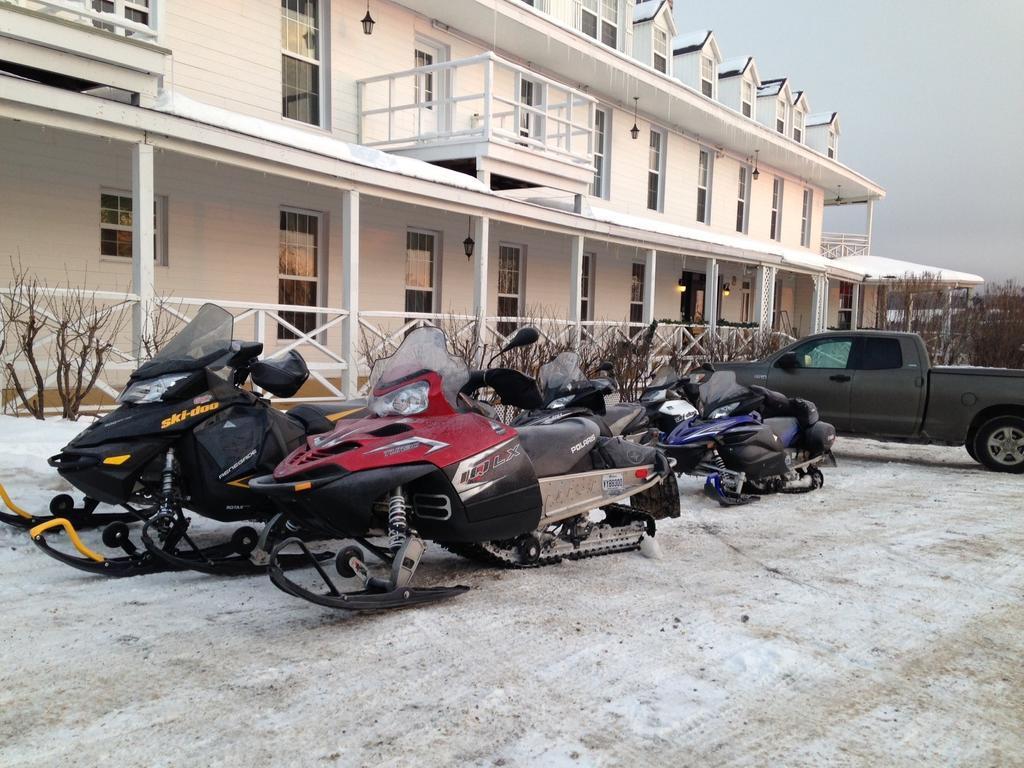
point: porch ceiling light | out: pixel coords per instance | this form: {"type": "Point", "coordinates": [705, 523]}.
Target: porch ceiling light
{"type": "Point", "coordinates": [756, 172]}
{"type": "Point", "coordinates": [681, 285]}
{"type": "Point", "coordinates": [725, 290]}
{"type": "Point", "coordinates": [635, 130]}
{"type": "Point", "coordinates": [468, 244]}
{"type": "Point", "coordinates": [368, 21]}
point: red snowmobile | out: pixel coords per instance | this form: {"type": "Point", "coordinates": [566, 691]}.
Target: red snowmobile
{"type": "Point", "coordinates": [430, 463]}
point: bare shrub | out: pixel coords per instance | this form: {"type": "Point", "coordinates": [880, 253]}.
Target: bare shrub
{"type": "Point", "coordinates": [167, 320]}
{"type": "Point", "coordinates": [994, 327]}
{"type": "Point", "coordinates": [726, 344]}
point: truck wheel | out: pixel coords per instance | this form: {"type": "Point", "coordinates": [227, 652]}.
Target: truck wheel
{"type": "Point", "coordinates": [999, 444]}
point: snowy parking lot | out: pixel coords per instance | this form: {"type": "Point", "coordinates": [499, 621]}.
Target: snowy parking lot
{"type": "Point", "coordinates": [878, 621]}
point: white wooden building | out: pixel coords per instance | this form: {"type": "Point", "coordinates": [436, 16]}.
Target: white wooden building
{"type": "Point", "coordinates": [325, 177]}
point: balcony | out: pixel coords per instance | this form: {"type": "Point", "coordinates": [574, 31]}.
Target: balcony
{"type": "Point", "coordinates": [81, 45]}
{"type": "Point", "coordinates": [486, 116]}
{"type": "Point", "coordinates": [838, 245]}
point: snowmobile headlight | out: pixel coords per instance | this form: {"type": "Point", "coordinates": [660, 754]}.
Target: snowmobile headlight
{"type": "Point", "coordinates": [653, 396]}
{"type": "Point", "coordinates": [561, 402]}
{"type": "Point", "coordinates": [150, 390]}
{"type": "Point", "coordinates": [406, 401]}
{"type": "Point", "coordinates": [725, 410]}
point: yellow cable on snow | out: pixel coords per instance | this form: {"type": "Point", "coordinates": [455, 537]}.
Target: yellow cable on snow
{"type": "Point", "coordinates": [72, 534]}
{"type": "Point", "coordinates": [11, 505]}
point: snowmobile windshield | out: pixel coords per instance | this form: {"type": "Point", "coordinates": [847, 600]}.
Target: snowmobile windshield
{"type": "Point", "coordinates": [206, 338]}
{"type": "Point", "coordinates": [720, 388]}
{"type": "Point", "coordinates": [424, 350]}
{"type": "Point", "coordinates": [561, 375]}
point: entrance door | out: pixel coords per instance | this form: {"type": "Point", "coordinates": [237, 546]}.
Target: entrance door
{"type": "Point", "coordinates": [430, 88]}
{"type": "Point", "coordinates": [823, 376]}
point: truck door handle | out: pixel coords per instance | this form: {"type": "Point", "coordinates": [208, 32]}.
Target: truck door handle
{"type": "Point", "coordinates": [839, 377]}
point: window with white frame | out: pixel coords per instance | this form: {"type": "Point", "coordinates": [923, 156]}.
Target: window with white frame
{"type": "Point", "coordinates": [798, 125]}
{"type": "Point", "coordinates": [743, 199]}
{"type": "Point", "coordinates": [298, 260]}
{"type": "Point", "coordinates": [845, 312]}
{"type": "Point", "coordinates": [660, 61]}
{"type": "Point", "coordinates": [300, 60]}
{"type": "Point", "coordinates": [510, 265]}
{"type": "Point", "coordinates": [599, 187]}
{"type": "Point", "coordinates": [805, 219]}
{"type": "Point", "coordinates": [116, 226]}
{"type": "Point", "coordinates": [775, 230]}
{"type": "Point", "coordinates": [707, 76]}
{"type": "Point", "coordinates": [424, 83]}
{"type": "Point", "coordinates": [590, 12]}
{"type": "Point", "coordinates": [587, 287]}
{"type": "Point", "coordinates": [655, 167]}
{"type": "Point", "coordinates": [704, 161]}
{"type": "Point", "coordinates": [780, 115]}
{"type": "Point", "coordinates": [745, 296]}
{"type": "Point", "coordinates": [599, 19]}
{"type": "Point", "coordinates": [420, 269]}
{"type": "Point", "coordinates": [832, 142]}
{"type": "Point", "coordinates": [746, 97]}
{"type": "Point", "coordinates": [134, 10]}
{"type": "Point", "coordinates": [636, 293]}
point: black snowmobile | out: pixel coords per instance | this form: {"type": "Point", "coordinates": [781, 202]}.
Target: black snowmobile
{"type": "Point", "coordinates": [186, 436]}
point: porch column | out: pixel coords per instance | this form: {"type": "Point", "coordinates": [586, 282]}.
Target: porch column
{"type": "Point", "coordinates": [765, 296]}
{"type": "Point", "coordinates": [575, 284]}
{"type": "Point", "coordinates": [711, 295]}
{"type": "Point", "coordinates": [650, 268]}
{"type": "Point", "coordinates": [855, 310]}
{"type": "Point", "coordinates": [142, 246]}
{"type": "Point", "coordinates": [870, 221]}
{"type": "Point", "coordinates": [350, 289]}
{"type": "Point", "coordinates": [820, 304]}
{"type": "Point", "coordinates": [482, 236]}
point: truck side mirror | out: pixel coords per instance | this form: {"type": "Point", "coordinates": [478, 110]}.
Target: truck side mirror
{"type": "Point", "coordinates": [788, 361]}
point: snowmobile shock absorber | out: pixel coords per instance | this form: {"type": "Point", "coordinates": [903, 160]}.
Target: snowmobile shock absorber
{"type": "Point", "coordinates": [398, 527]}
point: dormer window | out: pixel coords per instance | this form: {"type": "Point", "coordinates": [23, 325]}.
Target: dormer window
{"type": "Point", "coordinates": [832, 144]}
{"type": "Point", "coordinates": [660, 50]}
{"type": "Point", "coordinates": [780, 116]}
{"type": "Point", "coordinates": [707, 76]}
{"type": "Point", "coordinates": [798, 125]}
{"type": "Point", "coordinates": [747, 98]}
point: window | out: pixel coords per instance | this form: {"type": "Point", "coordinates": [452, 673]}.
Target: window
{"type": "Point", "coordinates": [832, 141]}
{"type": "Point", "coordinates": [510, 263]}
{"type": "Point", "coordinates": [424, 85]}
{"type": "Point", "coordinates": [300, 60]}
{"type": "Point", "coordinates": [742, 199]}
{"type": "Point", "coordinates": [746, 97]}
{"type": "Point", "coordinates": [880, 354]}
{"type": "Point", "coordinates": [798, 125]}
{"type": "Point", "coordinates": [704, 187]}
{"type": "Point", "coordinates": [116, 226]}
{"type": "Point", "coordinates": [636, 293]}
{"type": "Point", "coordinates": [845, 321]}
{"type": "Point", "coordinates": [297, 266]}
{"type": "Point", "coordinates": [745, 302]}
{"type": "Point", "coordinates": [420, 265]}
{"type": "Point", "coordinates": [824, 353]}
{"type": "Point", "coordinates": [599, 187]}
{"type": "Point", "coordinates": [805, 219]}
{"type": "Point", "coordinates": [134, 10]}
{"type": "Point", "coordinates": [775, 230]}
{"type": "Point", "coordinates": [660, 50]}
{"type": "Point", "coordinates": [655, 163]}
{"type": "Point", "coordinates": [587, 287]}
{"type": "Point", "coordinates": [599, 19]}
{"type": "Point", "coordinates": [707, 76]}
{"type": "Point", "coordinates": [780, 115]}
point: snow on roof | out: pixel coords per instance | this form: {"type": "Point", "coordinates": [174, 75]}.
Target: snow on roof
{"type": "Point", "coordinates": [733, 67]}
{"type": "Point", "coordinates": [881, 268]}
{"type": "Point", "coordinates": [820, 118]}
{"type": "Point", "coordinates": [690, 41]}
{"type": "Point", "coordinates": [771, 87]}
{"type": "Point", "coordinates": [646, 10]}
{"type": "Point", "coordinates": [176, 103]}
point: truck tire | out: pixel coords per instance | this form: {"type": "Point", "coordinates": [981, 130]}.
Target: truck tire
{"type": "Point", "coordinates": [999, 444]}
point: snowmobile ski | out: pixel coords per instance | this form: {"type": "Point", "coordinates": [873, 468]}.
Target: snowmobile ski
{"type": "Point", "coordinates": [62, 506]}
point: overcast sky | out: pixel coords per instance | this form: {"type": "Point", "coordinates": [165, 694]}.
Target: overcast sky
{"type": "Point", "coordinates": [930, 95]}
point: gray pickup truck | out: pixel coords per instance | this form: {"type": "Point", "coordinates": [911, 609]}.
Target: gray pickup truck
{"type": "Point", "coordinates": [881, 384]}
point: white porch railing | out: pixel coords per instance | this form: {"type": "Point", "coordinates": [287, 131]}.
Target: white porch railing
{"type": "Point", "coordinates": [481, 98]}
{"type": "Point", "coordinates": [837, 245]}
{"type": "Point", "coordinates": [127, 18]}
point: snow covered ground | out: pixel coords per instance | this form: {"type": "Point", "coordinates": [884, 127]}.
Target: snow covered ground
{"type": "Point", "coordinates": [879, 621]}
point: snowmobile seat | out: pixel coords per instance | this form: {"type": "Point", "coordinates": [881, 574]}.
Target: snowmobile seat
{"type": "Point", "coordinates": [556, 448]}
{"type": "Point", "coordinates": [624, 418]}
{"type": "Point", "coordinates": [786, 428]}
{"type": "Point", "coordinates": [313, 418]}
{"type": "Point", "coordinates": [819, 438]}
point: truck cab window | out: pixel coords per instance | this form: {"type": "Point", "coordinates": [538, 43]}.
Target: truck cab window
{"type": "Point", "coordinates": [880, 354]}
{"type": "Point", "coordinates": [824, 353]}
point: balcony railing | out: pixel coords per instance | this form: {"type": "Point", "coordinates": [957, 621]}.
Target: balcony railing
{"type": "Point", "coordinates": [836, 245]}
{"type": "Point", "coordinates": [482, 98]}
{"type": "Point", "coordinates": [125, 18]}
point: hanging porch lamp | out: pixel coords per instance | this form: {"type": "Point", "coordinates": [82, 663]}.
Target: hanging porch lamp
{"type": "Point", "coordinates": [756, 172]}
{"type": "Point", "coordinates": [368, 21]}
{"type": "Point", "coordinates": [468, 244]}
{"type": "Point", "coordinates": [635, 130]}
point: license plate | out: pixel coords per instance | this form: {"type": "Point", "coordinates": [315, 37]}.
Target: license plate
{"type": "Point", "coordinates": [612, 484]}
